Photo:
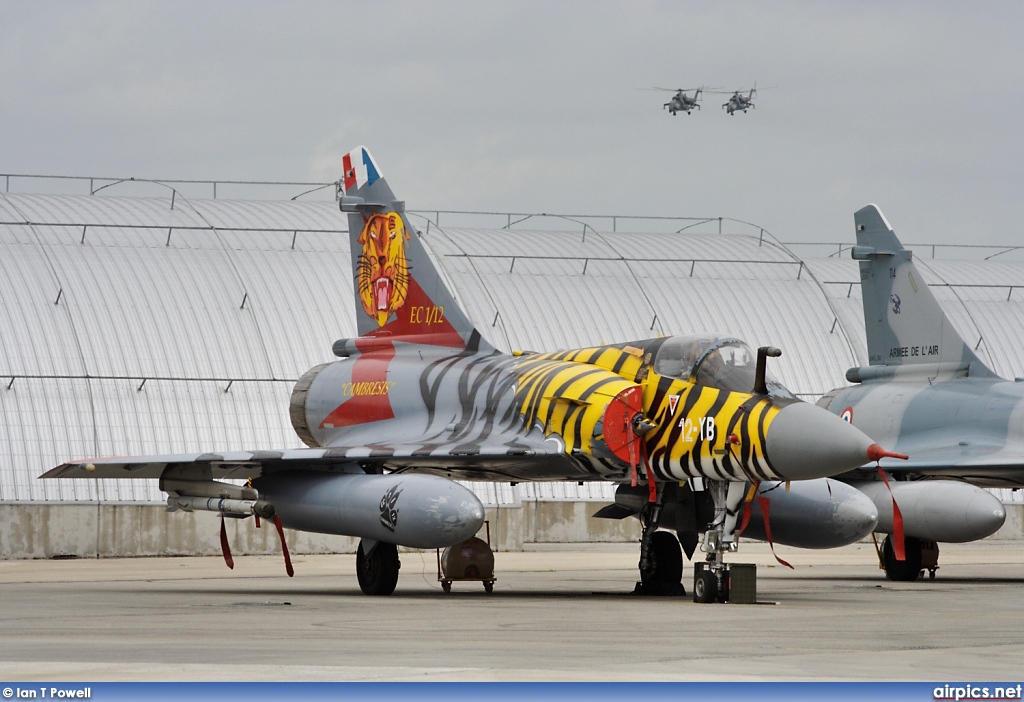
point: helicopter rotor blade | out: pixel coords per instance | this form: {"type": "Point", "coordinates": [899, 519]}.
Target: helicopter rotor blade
{"type": "Point", "coordinates": [672, 90]}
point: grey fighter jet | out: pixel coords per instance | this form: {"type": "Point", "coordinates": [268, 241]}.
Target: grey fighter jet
{"type": "Point", "coordinates": [420, 396]}
{"type": "Point", "coordinates": [927, 394]}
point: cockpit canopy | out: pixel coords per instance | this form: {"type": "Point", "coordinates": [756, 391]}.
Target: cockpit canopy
{"type": "Point", "coordinates": [716, 361]}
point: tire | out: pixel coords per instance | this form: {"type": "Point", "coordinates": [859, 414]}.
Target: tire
{"type": "Point", "coordinates": [902, 571]}
{"type": "Point", "coordinates": [705, 587]}
{"type": "Point", "coordinates": [377, 571]}
{"type": "Point", "coordinates": [668, 558]}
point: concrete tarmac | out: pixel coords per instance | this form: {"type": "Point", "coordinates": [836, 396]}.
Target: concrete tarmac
{"type": "Point", "coordinates": [557, 613]}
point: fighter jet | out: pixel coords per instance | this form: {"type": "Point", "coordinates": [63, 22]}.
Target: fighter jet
{"type": "Point", "coordinates": [420, 396]}
{"type": "Point", "coordinates": [927, 394]}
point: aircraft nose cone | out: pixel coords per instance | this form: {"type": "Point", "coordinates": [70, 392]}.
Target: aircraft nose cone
{"type": "Point", "coordinates": [805, 441]}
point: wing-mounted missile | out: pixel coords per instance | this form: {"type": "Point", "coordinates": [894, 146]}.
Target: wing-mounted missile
{"type": "Point", "coordinates": [190, 488]}
{"type": "Point", "coordinates": [214, 496]}
{"type": "Point", "coordinates": [222, 505]}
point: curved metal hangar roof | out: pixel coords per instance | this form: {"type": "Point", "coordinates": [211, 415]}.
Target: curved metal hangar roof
{"type": "Point", "coordinates": [138, 325]}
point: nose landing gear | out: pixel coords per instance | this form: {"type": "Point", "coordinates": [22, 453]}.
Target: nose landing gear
{"type": "Point", "coordinates": [715, 580]}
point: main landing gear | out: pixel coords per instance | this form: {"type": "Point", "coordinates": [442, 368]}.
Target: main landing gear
{"type": "Point", "coordinates": [377, 567]}
{"type": "Point", "coordinates": [661, 563]}
{"type": "Point", "coordinates": [921, 556]}
{"type": "Point", "coordinates": [661, 560]}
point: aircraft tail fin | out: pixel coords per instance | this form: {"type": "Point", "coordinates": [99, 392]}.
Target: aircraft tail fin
{"type": "Point", "coordinates": [904, 322]}
{"type": "Point", "coordinates": [399, 293]}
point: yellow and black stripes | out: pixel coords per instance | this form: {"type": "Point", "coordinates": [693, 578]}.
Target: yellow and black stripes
{"type": "Point", "coordinates": [565, 397]}
{"type": "Point", "coordinates": [709, 433]}
{"type": "Point", "coordinates": [623, 360]}
{"type": "Point", "coordinates": [700, 431]}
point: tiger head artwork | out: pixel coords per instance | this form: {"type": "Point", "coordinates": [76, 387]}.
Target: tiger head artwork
{"type": "Point", "coordinates": [383, 278]}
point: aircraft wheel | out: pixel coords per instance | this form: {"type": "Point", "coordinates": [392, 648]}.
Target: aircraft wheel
{"type": "Point", "coordinates": [668, 557]}
{"type": "Point", "coordinates": [446, 586]}
{"type": "Point", "coordinates": [378, 571]}
{"type": "Point", "coordinates": [705, 587]}
{"type": "Point", "coordinates": [488, 587]}
{"type": "Point", "coordinates": [667, 575]}
{"type": "Point", "coordinates": [902, 571]}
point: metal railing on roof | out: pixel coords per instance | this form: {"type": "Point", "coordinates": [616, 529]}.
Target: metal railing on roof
{"type": "Point", "coordinates": [96, 184]}
{"type": "Point", "coordinates": [584, 220]}
{"type": "Point", "coordinates": [227, 382]}
{"type": "Point", "coordinates": [840, 249]}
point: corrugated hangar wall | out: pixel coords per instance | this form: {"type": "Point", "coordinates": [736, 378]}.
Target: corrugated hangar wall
{"type": "Point", "coordinates": [151, 325]}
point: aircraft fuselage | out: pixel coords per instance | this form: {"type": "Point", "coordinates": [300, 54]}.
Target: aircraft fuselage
{"type": "Point", "coordinates": [436, 404]}
{"type": "Point", "coordinates": [969, 415]}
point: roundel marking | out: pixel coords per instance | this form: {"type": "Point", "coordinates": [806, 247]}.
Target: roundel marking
{"type": "Point", "coordinates": [847, 415]}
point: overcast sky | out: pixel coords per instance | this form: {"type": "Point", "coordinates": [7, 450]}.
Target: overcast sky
{"type": "Point", "coordinates": [526, 106]}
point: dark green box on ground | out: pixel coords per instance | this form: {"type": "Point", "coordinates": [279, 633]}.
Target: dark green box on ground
{"type": "Point", "coordinates": [743, 583]}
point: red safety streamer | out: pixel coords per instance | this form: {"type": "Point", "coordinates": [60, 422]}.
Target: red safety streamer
{"type": "Point", "coordinates": [652, 486]}
{"type": "Point", "coordinates": [897, 522]}
{"type": "Point", "coordinates": [224, 547]}
{"type": "Point", "coordinates": [284, 547]}
{"type": "Point", "coordinates": [746, 507]}
{"type": "Point", "coordinates": [763, 502]}
{"type": "Point", "coordinates": [632, 463]}
{"type": "Point", "coordinates": [746, 518]}
{"type": "Point", "coordinates": [257, 520]}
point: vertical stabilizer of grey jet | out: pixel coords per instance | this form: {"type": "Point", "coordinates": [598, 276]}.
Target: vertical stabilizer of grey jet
{"type": "Point", "coordinates": [399, 294]}
{"type": "Point", "coordinates": [905, 325]}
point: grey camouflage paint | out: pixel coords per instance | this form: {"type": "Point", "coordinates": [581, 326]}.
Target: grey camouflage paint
{"type": "Point", "coordinates": [926, 392]}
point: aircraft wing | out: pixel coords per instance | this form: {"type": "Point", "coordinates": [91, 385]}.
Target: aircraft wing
{"type": "Point", "coordinates": [991, 464]}
{"type": "Point", "coordinates": [521, 459]}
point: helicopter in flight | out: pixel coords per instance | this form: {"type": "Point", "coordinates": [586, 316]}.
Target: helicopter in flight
{"type": "Point", "coordinates": [681, 102]}
{"type": "Point", "coordinates": [740, 102]}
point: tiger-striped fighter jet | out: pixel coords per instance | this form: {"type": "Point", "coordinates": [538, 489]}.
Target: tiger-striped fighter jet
{"type": "Point", "coordinates": [420, 391]}
{"type": "Point", "coordinates": [927, 393]}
